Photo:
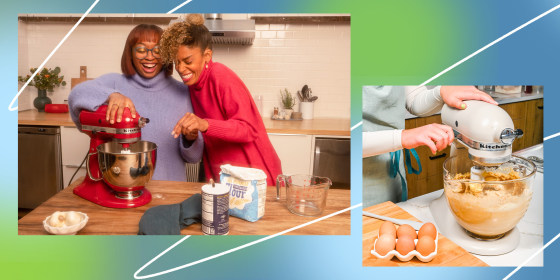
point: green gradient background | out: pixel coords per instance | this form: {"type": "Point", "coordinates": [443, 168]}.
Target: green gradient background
{"type": "Point", "coordinates": [393, 43]}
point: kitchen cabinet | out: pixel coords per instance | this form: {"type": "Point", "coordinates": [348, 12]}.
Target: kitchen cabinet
{"type": "Point", "coordinates": [526, 115]}
{"type": "Point", "coordinates": [75, 146]}
{"type": "Point", "coordinates": [534, 123]}
{"type": "Point", "coordinates": [295, 152]}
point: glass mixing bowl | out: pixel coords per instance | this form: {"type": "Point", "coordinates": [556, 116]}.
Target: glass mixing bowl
{"type": "Point", "coordinates": [489, 208]}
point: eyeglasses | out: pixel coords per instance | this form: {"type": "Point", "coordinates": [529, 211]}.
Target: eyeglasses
{"type": "Point", "coordinates": [141, 52]}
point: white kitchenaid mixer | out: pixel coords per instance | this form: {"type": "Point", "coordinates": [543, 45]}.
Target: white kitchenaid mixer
{"type": "Point", "coordinates": [469, 212]}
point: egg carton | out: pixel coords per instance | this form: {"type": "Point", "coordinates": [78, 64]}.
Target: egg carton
{"type": "Point", "coordinates": [410, 254]}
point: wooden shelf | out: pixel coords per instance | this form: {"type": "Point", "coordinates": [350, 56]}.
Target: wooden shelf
{"type": "Point", "coordinates": [130, 19]}
{"type": "Point", "coordinates": [299, 19]}
{"type": "Point", "coordinates": [165, 19]}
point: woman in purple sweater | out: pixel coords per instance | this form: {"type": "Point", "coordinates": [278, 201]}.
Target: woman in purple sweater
{"type": "Point", "coordinates": [146, 87]}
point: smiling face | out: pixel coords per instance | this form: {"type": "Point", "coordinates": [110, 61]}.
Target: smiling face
{"type": "Point", "coordinates": [190, 63]}
{"type": "Point", "coordinates": [146, 59]}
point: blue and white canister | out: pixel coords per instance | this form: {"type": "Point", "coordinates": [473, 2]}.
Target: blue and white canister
{"type": "Point", "coordinates": [215, 207]}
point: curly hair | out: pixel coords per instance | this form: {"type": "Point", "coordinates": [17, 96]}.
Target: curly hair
{"type": "Point", "coordinates": [191, 33]}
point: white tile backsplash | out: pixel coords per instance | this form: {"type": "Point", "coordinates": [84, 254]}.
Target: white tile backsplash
{"type": "Point", "coordinates": [282, 56]}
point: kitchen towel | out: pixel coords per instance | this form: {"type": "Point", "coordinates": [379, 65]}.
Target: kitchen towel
{"type": "Point", "coordinates": [170, 219]}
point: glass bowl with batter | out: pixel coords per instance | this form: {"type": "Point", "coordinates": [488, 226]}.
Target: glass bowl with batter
{"type": "Point", "coordinates": [489, 203]}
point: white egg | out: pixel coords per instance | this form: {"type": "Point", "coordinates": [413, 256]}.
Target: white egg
{"type": "Point", "coordinates": [57, 219]}
{"type": "Point", "coordinates": [73, 218]}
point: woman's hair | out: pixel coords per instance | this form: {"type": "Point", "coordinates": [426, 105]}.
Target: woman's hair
{"type": "Point", "coordinates": [191, 33]}
{"type": "Point", "coordinates": [142, 32]}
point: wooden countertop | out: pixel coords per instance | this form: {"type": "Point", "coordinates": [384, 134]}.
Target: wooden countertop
{"type": "Point", "coordinates": [32, 117]}
{"type": "Point", "coordinates": [331, 127]}
{"type": "Point", "coordinates": [335, 127]}
{"type": "Point", "coordinates": [449, 254]}
{"type": "Point", "coordinates": [109, 221]}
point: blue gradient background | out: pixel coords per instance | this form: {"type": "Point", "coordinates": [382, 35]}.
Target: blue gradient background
{"type": "Point", "coordinates": [393, 42]}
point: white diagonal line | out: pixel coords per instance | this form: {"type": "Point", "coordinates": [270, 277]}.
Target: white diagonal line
{"type": "Point", "coordinates": [489, 45]}
{"type": "Point", "coordinates": [234, 249]}
{"type": "Point", "coordinates": [49, 57]}
{"type": "Point", "coordinates": [552, 136]}
{"type": "Point", "coordinates": [357, 125]}
{"type": "Point", "coordinates": [178, 7]}
{"type": "Point", "coordinates": [532, 256]}
{"type": "Point", "coordinates": [158, 256]}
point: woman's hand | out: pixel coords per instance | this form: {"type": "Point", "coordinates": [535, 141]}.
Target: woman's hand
{"type": "Point", "coordinates": [436, 136]}
{"type": "Point", "coordinates": [115, 107]}
{"type": "Point", "coordinates": [455, 95]}
{"type": "Point", "coordinates": [189, 125]}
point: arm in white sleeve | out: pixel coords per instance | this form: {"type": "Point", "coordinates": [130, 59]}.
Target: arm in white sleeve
{"type": "Point", "coordinates": [380, 142]}
{"type": "Point", "coordinates": [423, 102]}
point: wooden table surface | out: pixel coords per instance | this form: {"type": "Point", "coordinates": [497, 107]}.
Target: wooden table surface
{"type": "Point", "coordinates": [449, 253]}
{"type": "Point", "coordinates": [109, 221]}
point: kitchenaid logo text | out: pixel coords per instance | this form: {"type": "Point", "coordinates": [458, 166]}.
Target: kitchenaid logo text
{"type": "Point", "coordinates": [129, 130]}
{"type": "Point", "coordinates": [492, 146]}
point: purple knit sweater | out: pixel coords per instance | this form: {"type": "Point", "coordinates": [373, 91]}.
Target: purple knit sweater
{"type": "Point", "coordinates": [163, 100]}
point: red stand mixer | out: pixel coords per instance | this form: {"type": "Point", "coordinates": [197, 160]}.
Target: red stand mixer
{"type": "Point", "coordinates": [118, 163]}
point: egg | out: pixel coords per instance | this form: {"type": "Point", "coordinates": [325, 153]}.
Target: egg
{"type": "Point", "coordinates": [73, 218]}
{"type": "Point", "coordinates": [388, 228]}
{"type": "Point", "coordinates": [406, 231]}
{"type": "Point", "coordinates": [384, 244]}
{"type": "Point", "coordinates": [428, 229]}
{"type": "Point", "coordinates": [57, 219]}
{"type": "Point", "coordinates": [405, 245]}
{"type": "Point", "coordinates": [425, 246]}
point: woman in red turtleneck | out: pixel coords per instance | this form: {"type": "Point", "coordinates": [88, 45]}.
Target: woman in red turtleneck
{"type": "Point", "coordinates": [224, 110]}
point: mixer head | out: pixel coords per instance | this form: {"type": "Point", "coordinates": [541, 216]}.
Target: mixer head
{"type": "Point", "coordinates": [487, 130]}
{"type": "Point", "coordinates": [125, 132]}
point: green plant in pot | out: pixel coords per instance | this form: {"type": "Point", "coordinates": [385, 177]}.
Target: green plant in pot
{"type": "Point", "coordinates": [46, 80]}
{"type": "Point", "coordinates": [288, 102]}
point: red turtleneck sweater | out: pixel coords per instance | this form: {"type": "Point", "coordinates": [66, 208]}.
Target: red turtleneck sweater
{"type": "Point", "coordinates": [236, 132]}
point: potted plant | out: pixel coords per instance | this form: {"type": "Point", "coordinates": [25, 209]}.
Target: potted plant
{"type": "Point", "coordinates": [46, 79]}
{"type": "Point", "coordinates": [306, 102]}
{"type": "Point", "coordinates": [288, 102]}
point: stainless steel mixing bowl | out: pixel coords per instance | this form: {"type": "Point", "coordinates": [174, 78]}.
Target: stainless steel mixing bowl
{"type": "Point", "coordinates": [127, 170]}
{"type": "Point", "coordinates": [488, 209]}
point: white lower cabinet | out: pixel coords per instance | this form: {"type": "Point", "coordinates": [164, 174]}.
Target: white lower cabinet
{"type": "Point", "coordinates": [75, 146]}
{"type": "Point", "coordinates": [295, 152]}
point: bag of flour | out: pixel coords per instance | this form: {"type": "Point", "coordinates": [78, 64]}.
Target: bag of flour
{"type": "Point", "coordinates": [247, 193]}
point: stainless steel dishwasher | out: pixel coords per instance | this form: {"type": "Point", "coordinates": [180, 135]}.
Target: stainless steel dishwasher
{"type": "Point", "coordinates": [332, 160]}
{"type": "Point", "coordinates": [39, 164]}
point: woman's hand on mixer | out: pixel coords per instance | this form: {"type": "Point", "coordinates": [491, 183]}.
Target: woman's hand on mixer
{"type": "Point", "coordinates": [436, 136]}
{"type": "Point", "coordinates": [455, 95]}
{"type": "Point", "coordinates": [115, 107]}
{"type": "Point", "coordinates": [189, 125]}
